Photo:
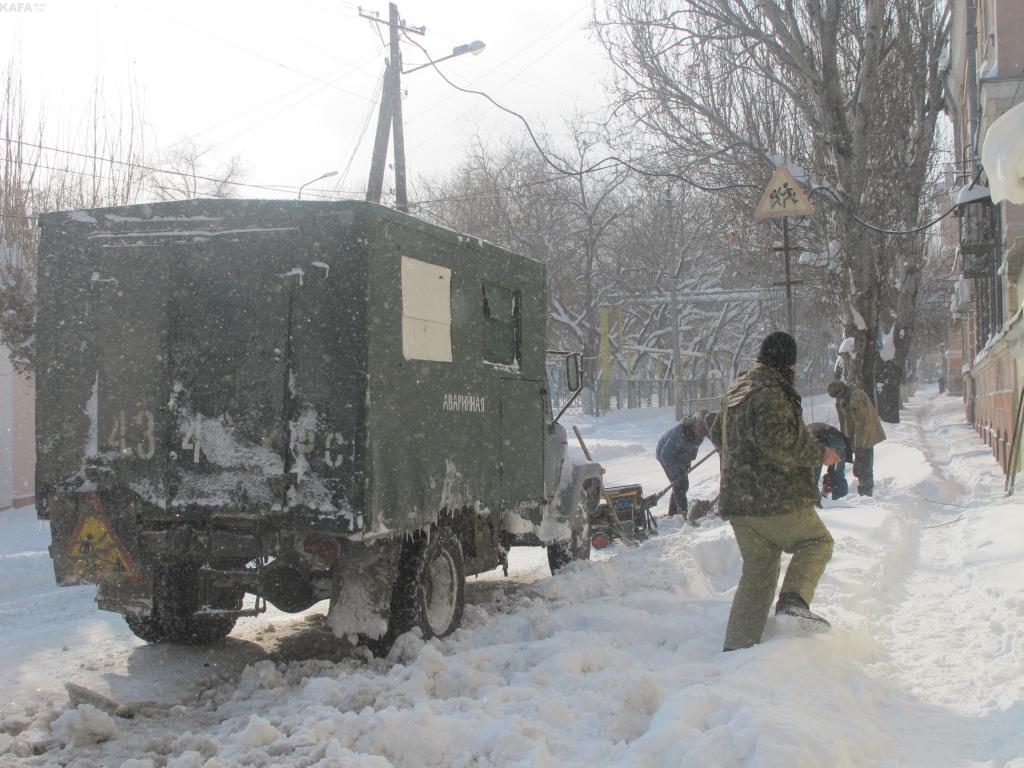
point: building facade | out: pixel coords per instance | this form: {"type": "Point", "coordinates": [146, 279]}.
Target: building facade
{"type": "Point", "coordinates": [985, 78]}
{"type": "Point", "coordinates": [17, 436]}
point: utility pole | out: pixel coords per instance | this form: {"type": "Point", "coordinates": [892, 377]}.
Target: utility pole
{"type": "Point", "coordinates": [789, 282]}
{"type": "Point", "coordinates": [781, 199]}
{"type": "Point", "coordinates": [677, 373]}
{"type": "Point", "coordinates": [389, 118]}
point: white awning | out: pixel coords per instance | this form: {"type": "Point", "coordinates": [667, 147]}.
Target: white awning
{"type": "Point", "coordinates": [1003, 156]}
{"type": "Point", "coordinates": [970, 193]}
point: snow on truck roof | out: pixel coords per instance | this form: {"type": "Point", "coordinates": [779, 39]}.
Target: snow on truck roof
{"type": "Point", "coordinates": [202, 219]}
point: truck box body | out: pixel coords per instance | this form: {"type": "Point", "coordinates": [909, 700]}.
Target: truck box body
{"type": "Point", "coordinates": [264, 365]}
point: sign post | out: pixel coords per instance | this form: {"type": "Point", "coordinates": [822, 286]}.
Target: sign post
{"type": "Point", "coordinates": [783, 198]}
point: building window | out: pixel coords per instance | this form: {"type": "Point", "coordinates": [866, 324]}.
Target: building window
{"type": "Point", "coordinates": [980, 236]}
{"type": "Point", "coordinates": [502, 332]}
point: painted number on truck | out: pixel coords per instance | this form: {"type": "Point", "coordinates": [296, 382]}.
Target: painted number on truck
{"type": "Point", "coordinates": [333, 442]}
{"type": "Point", "coordinates": [305, 443]}
{"type": "Point", "coordinates": [141, 427]}
{"type": "Point", "coordinates": [190, 442]}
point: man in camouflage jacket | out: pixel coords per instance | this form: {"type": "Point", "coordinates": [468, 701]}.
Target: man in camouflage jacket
{"type": "Point", "coordinates": [768, 493]}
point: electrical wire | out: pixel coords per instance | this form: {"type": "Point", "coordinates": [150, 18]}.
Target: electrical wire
{"type": "Point", "coordinates": [362, 131]}
{"type": "Point", "coordinates": [257, 54]}
{"type": "Point", "coordinates": [284, 188]}
{"type": "Point", "coordinates": [283, 109]}
{"type": "Point", "coordinates": [881, 230]}
{"type": "Point", "coordinates": [502, 63]}
{"type": "Point", "coordinates": [334, 75]}
{"type": "Point", "coordinates": [603, 164]}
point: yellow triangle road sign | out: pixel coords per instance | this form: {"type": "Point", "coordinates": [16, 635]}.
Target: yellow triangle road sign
{"type": "Point", "coordinates": [95, 552]}
{"type": "Point", "coordinates": [783, 197]}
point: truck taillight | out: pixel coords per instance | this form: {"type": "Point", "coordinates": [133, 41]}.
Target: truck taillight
{"type": "Point", "coordinates": [599, 541]}
{"type": "Point", "coordinates": [329, 549]}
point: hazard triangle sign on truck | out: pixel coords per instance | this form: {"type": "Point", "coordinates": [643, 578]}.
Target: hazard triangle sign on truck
{"type": "Point", "coordinates": [783, 197]}
{"type": "Point", "coordinates": [95, 552]}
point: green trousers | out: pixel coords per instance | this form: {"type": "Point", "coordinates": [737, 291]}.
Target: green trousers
{"type": "Point", "coordinates": [762, 540]}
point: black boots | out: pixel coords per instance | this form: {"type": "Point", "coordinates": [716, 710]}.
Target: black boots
{"type": "Point", "coordinates": [792, 607]}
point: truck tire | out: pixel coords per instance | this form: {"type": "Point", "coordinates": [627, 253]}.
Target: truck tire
{"type": "Point", "coordinates": [430, 591]}
{"type": "Point", "coordinates": [176, 597]}
{"type": "Point", "coordinates": [561, 553]}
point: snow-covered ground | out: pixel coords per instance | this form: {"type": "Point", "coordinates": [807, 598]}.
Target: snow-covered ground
{"type": "Point", "coordinates": [613, 662]}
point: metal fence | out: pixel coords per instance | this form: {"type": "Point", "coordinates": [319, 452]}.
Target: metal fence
{"type": "Point", "coordinates": [621, 394]}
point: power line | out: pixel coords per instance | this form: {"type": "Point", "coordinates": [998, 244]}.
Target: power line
{"type": "Point", "coordinates": [257, 54]}
{"type": "Point", "coordinates": [500, 64]}
{"type": "Point", "coordinates": [278, 112]}
{"type": "Point", "coordinates": [362, 132]}
{"type": "Point", "coordinates": [334, 74]}
{"type": "Point", "coordinates": [612, 159]}
{"type": "Point", "coordinates": [285, 188]}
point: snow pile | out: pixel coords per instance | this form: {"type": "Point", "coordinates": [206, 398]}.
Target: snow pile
{"type": "Point", "coordinates": [85, 724]}
{"type": "Point", "coordinates": [23, 572]}
{"type": "Point", "coordinates": [25, 565]}
{"type": "Point", "coordinates": [618, 661]}
{"type": "Point", "coordinates": [1003, 156]}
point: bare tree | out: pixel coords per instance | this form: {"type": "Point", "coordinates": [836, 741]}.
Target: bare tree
{"type": "Point", "coordinates": [617, 243]}
{"type": "Point", "coordinates": [37, 176]}
{"type": "Point", "coordinates": [185, 173]}
{"type": "Point", "coordinates": [556, 210]}
{"type": "Point", "coordinates": [849, 90]}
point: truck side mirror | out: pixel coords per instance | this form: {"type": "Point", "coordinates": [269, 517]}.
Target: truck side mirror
{"type": "Point", "coordinates": [573, 372]}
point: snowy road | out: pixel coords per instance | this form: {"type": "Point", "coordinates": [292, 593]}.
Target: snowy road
{"type": "Point", "coordinates": [613, 662]}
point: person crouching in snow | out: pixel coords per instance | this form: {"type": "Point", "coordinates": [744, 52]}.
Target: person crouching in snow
{"type": "Point", "coordinates": [858, 420]}
{"type": "Point", "coordinates": [768, 496]}
{"type": "Point", "coordinates": [676, 451]}
{"type": "Point", "coordinates": [835, 476]}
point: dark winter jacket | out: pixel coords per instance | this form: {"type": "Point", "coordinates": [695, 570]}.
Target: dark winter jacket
{"type": "Point", "coordinates": [678, 447]}
{"type": "Point", "coordinates": [829, 436]}
{"type": "Point", "coordinates": [764, 446]}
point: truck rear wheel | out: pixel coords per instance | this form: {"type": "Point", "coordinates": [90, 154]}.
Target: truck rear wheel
{"type": "Point", "coordinates": [430, 591]}
{"type": "Point", "coordinates": [177, 595]}
{"type": "Point", "coordinates": [561, 553]}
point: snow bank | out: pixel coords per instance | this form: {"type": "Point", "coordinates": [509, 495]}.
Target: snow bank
{"type": "Point", "coordinates": [84, 725]}
{"type": "Point", "coordinates": [25, 565]}
{"type": "Point", "coordinates": [618, 661]}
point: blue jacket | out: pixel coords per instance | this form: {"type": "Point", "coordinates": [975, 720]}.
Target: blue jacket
{"type": "Point", "coordinates": [678, 447]}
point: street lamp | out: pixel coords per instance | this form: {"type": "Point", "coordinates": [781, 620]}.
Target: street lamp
{"type": "Point", "coordinates": [475, 48]}
{"type": "Point", "coordinates": [318, 178]}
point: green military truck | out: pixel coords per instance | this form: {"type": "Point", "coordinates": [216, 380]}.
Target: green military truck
{"type": "Point", "coordinates": [297, 400]}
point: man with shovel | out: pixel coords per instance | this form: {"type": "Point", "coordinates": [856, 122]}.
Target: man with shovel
{"type": "Point", "coordinates": [676, 451]}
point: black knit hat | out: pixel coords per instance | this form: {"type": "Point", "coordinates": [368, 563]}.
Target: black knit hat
{"type": "Point", "coordinates": [778, 350]}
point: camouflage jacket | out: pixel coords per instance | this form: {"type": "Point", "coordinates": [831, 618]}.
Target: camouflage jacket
{"type": "Point", "coordinates": [766, 451]}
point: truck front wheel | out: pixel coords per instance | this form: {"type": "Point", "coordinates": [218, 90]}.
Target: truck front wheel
{"type": "Point", "coordinates": [430, 591]}
{"type": "Point", "coordinates": [561, 553]}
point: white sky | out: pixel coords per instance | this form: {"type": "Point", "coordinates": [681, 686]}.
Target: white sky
{"type": "Point", "coordinates": [288, 85]}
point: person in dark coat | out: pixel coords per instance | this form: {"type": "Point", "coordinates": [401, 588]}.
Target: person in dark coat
{"type": "Point", "coordinates": [835, 475]}
{"type": "Point", "coordinates": [768, 494]}
{"type": "Point", "coordinates": [676, 451]}
{"type": "Point", "coordinates": [858, 420]}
